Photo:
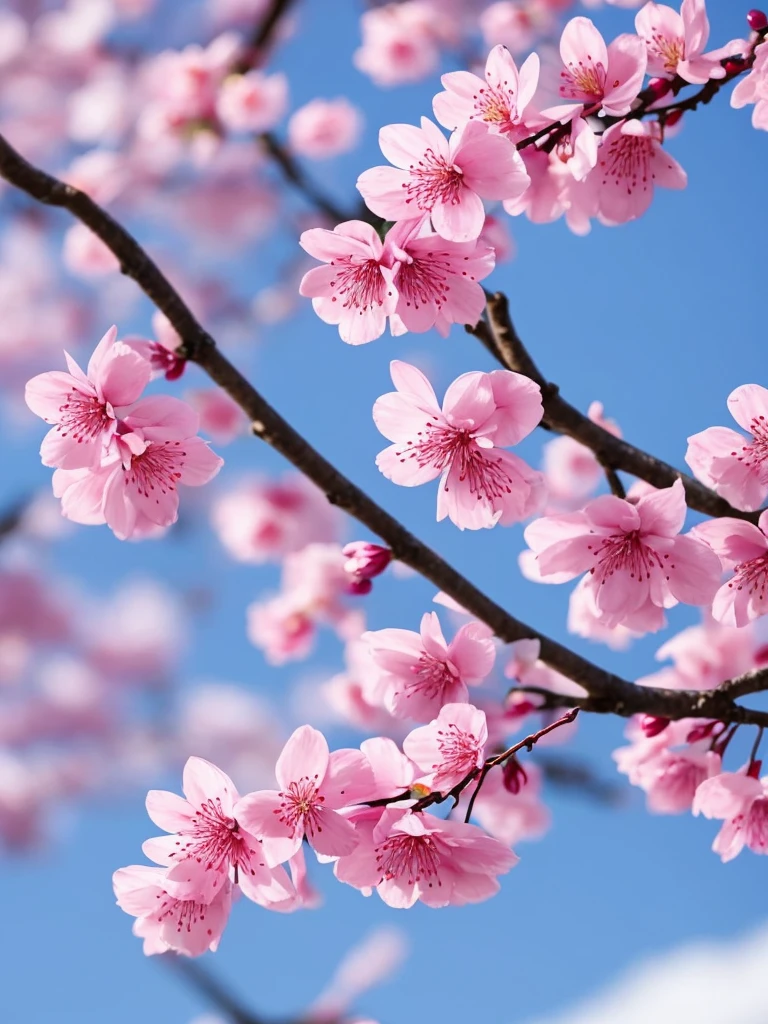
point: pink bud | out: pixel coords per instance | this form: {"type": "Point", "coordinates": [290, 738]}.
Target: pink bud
{"type": "Point", "coordinates": [754, 769]}
{"type": "Point", "coordinates": [761, 656]}
{"type": "Point", "coordinates": [366, 560]}
{"type": "Point", "coordinates": [652, 725]}
{"type": "Point", "coordinates": [673, 117]}
{"type": "Point", "coordinates": [165, 360]}
{"type": "Point", "coordinates": [701, 732]}
{"type": "Point", "coordinates": [659, 87]}
{"type": "Point", "coordinates": [359, 587]}
{"type": "Point", "coordinates": [513, 776]}
{"type": "Point", "coordinates": [757, 20]}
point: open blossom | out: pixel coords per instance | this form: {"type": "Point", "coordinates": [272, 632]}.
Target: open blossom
{"type": "Point", "coordinates": [253, 102]}
{"type": "Point", "coordinates": [676, 42]}
{"type": "Point", "coordinates": [164, 922]}
{"type": "Point", "coordinates": [499, 101]}
{"type": "Point", "coordinates": [437, 281]}
{"type": "Point", "coordinates": [314, 785]}
{"type": "Point", "coordinates": [481, 484]}
{"type": "Point", "coordinates": [281, 627]}
{"type": "Point", "coordinates": [742, 547]}
{"type": "Point", "coordinates": [446, 179]}
{"type": "Point", "coordinates": [135, 491]}
{"type": "Point", "coordinates": [420, 672]}
{"type": "Point", "coordinates": [324, 128]}
{"type": "Point", "coordinates": [610, 76]}
{"type": "Point", "coordinates": [450, 747]}
{"type": "Point", "coordinates": [400, 43]}
{"type": "Point", "coordinates": [753, 88]}
{"type": "Point", "coordinates": [220, 416]}
{"type": "Point", "coordinates": [209, 841]}
{"type": "Point", "coordinates": [636, 559]}
{"type": "Point", "coordinates": [740, 801]}
{"type": "Point", "coordinates": [671, 778]}
{"type": "Point", "coordinates": [733, 465]}
{"type": "Point", "coordinates": [355, 289]}
{"type": "Point", "coordinates": [84, 407]}
{"type": "Point", "coordinates": [410, 856]}
{"type": "Point", "coordinates": [514, 24]}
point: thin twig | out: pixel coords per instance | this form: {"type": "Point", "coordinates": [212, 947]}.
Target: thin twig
{"type": "Point", "coordinates": [263, 36]}
{"type": "Point", "coordinates": [211, 988]}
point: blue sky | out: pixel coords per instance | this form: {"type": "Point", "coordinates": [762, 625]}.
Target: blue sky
{"type": "Point", "coordinates": [659, 320]}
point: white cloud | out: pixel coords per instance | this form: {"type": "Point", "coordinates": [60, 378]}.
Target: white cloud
{"type": "Point", "coordinates": [699, 983]}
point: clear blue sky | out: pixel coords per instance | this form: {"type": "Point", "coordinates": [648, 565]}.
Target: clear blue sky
{"type": "Point", "coordinates": [659, 320]}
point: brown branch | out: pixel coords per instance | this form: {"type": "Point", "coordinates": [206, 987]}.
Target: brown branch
{"type": "Point", "coordinates": [211, 988]}
{"type": "Point", "coordinates": [295, 176]}
{"type": "Point", "coordinates": [609, 693]}
{"type": "Point", "coordinates": [262, 36]}
{"type": "Point", "coordinates": [11, 518]}
{"type": "Point", "coordinates": [501, 338]}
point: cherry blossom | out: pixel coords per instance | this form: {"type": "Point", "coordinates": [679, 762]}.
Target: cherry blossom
{"type": "Point", "coordinates": [753, 89]}
{"type": "Point", "coordinates": [481, 484]}
{"type": "Point", "coordinates": [448, 179]}
{"type": "Point", "coordinates": [599, 75]}
{"type": "Point", "coordinates": [742, 547]}
{"type": "Point", "coordinates": [637, 561]}
{"type": "Point", "coordinates": [324, 128]}
{"type": "Point", "coordinates": [676, 42]}
{"type": "Point", "coordinates": [734, 466]}
{"type": "Point", "coordinates": [314, 785]}
{"type": "Point", "coordinates": [365, 561]}
{"type": "Point", "coordinates": [740, 801]}
{"type": "Point", "coordinates": [400, 42]}
{"type": "Point", "coordinates": [420, 672]}
{"type": "Point", "coordinates": [220, 416]}
{"type": "Point", "coordinates": [253, 102]}
{"type": "Point", "coordinates": [450, 747]}
{"type": "Point", "coordinates": [408, 857]}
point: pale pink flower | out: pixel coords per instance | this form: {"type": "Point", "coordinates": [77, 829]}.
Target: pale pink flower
{"type": "Point", "coordinates": [499, 100]}
{"type": "Point", "coordinates": [671, 778]}
{"type": "Point", "coordinates": [450, 747]}
{"type": "Point", "coordinates": [437, 281]}
{"type": "Point", "coordinates": [282, 628]}
{"type": "Point", "coordinates": [753, 88]}
{"type": "Point", "coordinates": [210, 842]}
{"type": "Point", "coordinates": [497, 236]}
{"type": "Point", "coordinates": [253, 102]}
{"type": "Point", "coordinates": [420, 672]}
{"type": "Point", "coordinates": [572, 471]}
{"type": "Point", "coordinates": [528, 669]}
{"type": "Point", "coordinates": [393, 772]}
{"type": "Point", "coordinates": [314, 785]}
{"type": "Point", "coordinates": [740, 801]}
{"type": "Point", "coordinates": [372, 960]}
{"type": "Point", "coordinates": [220, 416]}
{"type": "Point", "coordinates": [595, 74]}
{"type": "Point", "coordinates": [399, 44]}
{"type": "Point", "coordinates": [706, 655]}
{"type": "Point", "coordinates": [510, 817]}
{"type": "Point", "coordinates": [481, 484]}
{"type": "Point", "coordinates": [515, 25]}
{"type": "Point", "coordinates": [136, 492]}
{"type": "Point", "coordinates": [636, 559]}
{"type": "Point", "coordinates": [742, 547]}
{"type": "Point", "coordinates": [86, 255]}
{"type": "Point", "coordinates": [355, 289]}
{"type": "Point", "coordinates": [191, 927]}
{"type": "Point", "coordinates": [676, 42]}
{"type": "Point", "coordinates": [13, 36]}
{"type": "Point", "coordinates": [365, 561]}
{"type": "Point", "coordinates": [410, 856]}
{"type": "Point", "coordinates": [733, 465]}
{"type": "Point", "coordinates": [584, 619]}
{"type": "Point", "coordinates": [85, 407]}
{"type": "Point", "coordinates": [324, 128]}
{"type": "Point", "coordinates": [446, 179]}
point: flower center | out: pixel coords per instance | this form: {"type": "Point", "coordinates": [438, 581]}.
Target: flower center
{"type": "Point", "coordinates": [433, 180]}
{"type": "Point", "coordinates": [215, 840]}
{"type": "Point", "coordinates": [626, 553]}
{"type": "Point", "coordinates": [628, 162]}
{"type": "Point", "coordinates": [458, 750]}
{"type": "Point", "coordinates": [186, 913]}
{"type": "Point", "coordinates": [496, 105]}
{"type": "Point", "coordinates": [583, 79]}
{"type": "Point", "coordinates": [83, 417]}
{"type": "Point", "coordinates": [479, 469]}
{"type": "Point", "coordinates": [669, 51]}
{"type": "Point", "coordinates": [424, 281]}
{"type": "Point", "coordinates": [431, 677]}
{"type": "Point", "coordinates": [300, 806]}
{"type": "Point", "coordinates": [752, 576]}
{"type": "Point", "coordinates": [157, 468]}
{"type": "Point", "coordinates": [359, 282]}
{"type": "Point", "coordinates": [755, 454]}
{"type": "Point", "coordinates": [413, 858]}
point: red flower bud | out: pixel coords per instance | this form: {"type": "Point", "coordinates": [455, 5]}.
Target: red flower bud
{"type": "Point", "coordinates": [757, 20]}
{"type": "Point", "coordinates": [659, 87]}
{"type": "Point", "coordinates": [513, 776]}
{"type": "Point", "coordinates": [652, 725]}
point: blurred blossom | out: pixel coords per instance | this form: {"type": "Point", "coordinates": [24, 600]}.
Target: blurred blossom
{"type": "Point", "coordinates": [324, 128]}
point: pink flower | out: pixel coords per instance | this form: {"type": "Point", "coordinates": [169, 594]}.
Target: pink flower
{"type": "Point", "coordinates": [499, 101]}
{"type": "Point", "coordinates": [446, 179]}
{"type": "Point", "coordinates": [420, 672]}
{"type": "Point", "coordinates": [282, 628]}
{"type": "Point", "coordinates": [671, 778]}
{"type": "Point", "coordinates": [84, 407]}
{"type": "Point", "coordinates": [631, 163]}
{"type": "Point", "coordinates": [355, 289]}
{"type": "Point", "coordinates": [450, 747]}
{"type": "Point", "coordinates": [676, 42]}
{"type": "Point", "coordinates": [515, 25]}
{"type": "Point", "coordinates": [610, 76]}
{"type": "Point", "coordinates": [220, 416]}
{"type": "Point", "coordinates": [164, 922]}
{"type": "Point", "coordinates": [753, 88]}
{"type": "Point", "coordinates": [572, 471]}
{"type": "Point", "coordinates": [365, 561]}
{"type": "Point", "coordinates": [399, 44]}
{"type": "Point", "coordinates": [743, 547]}
{"type": "Point", "coordinates": [408, 857]}
{"type": "Point", "coordinates": [481, 484]}
{"type": "Point", "coordinates": [721, 459]}
{"type": "Point", "coordinates": [86, 255]}
{"type": "Point", "coordinates": [253, 102]}
{"type": "Point", "coordinates": [209, 840]}
{"type": "Point", "coordinates": [324, 128]}
{"type": "Point", "coordinates": [314, 785]}
{"type": "Point", "coordinates": [136, 491]}
{"type": "Point", "coordinates": [510, 816]}
{"type": "Point", "coordinates": [741, 803]}
{"type": "Point", "coordinates": [636, 560]}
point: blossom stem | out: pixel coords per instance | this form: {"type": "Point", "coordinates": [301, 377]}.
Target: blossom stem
{"type": "Point", "coordinates": [756, 745]}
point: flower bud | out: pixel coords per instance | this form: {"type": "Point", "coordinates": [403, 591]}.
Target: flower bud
{"type": "Point", "coordinates": [673, 117]}
{"type": "Point", "coordinates": [652, 725]}
{"type": "Point", "coordinates": [701, 732]}
{"type": "Point", "coordinates": [754, 769]}
{"type": "Point", "coordinates": [513, 776]}
{"type": "Point", "coordinates": [734, 65]}
{"type": "Point", "coordinates": [364, 560]}
{"type": "Point", "coordinates": [757, 20]}
{"type": "Point", "coordinates": [659, 87]}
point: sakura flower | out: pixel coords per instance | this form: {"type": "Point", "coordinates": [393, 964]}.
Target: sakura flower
{"type": "Point", "coordinates": [481, 484]}
{"type": "Point", "coordinates": [743, 547]}
{"type": "Point", "coordinates": [450, 747]}
{"type": "Point", "coordinates": [399, 44]}
{"type": "Point", "coordinates": [410, 856]}
{"type": "Point", "coordinates": [84, 407]}
{"type": "Point", "coordinates": [676, 42]}
{"type": "Point", "coordinates": [740, 801]}
{"type": "Point", "coordinates": [324, 128]}
{"type": "Point", "coordinates": [572, 471]}
{"type": "Point", "coordinates": [437, 281]}
{"type": "Point", "coordinates": [86, 255]}
{"type": "Point", "coordinates": [282, 627]}
{"type": "Point", "coordinates": [220, 416]}
{"type": "Point", "coordinates": [355, 289]}
{"type": "Point", "coordinates": [595, 74]}
{"type": "Point", "coordinates": [753, 88]}
{"type": "Point", "coordinates": [671, 778]}
{"type": "Point", "coordinates": [515, 25]}
{"type": "Point", "coordinates": [499, 100]}
{"type": "Point", "coordinates": [734, 466]}
{"type": "Point", "coordinates": [420, 672]}
{"type": "Point", "coordinates": [446, 179]}
{"type": "Point", "coordinates": [253, 102]}
{"type": "Point", "coordinates": [636, 560]}
{"type": "Point", "coordinates": [314, 785]}
{"type": "Point", "coordinates": [209, 840]}
{"type": "Point", "coordinates": [365, 561]}
{"type": "Point", "coordinates": [164, 922]}
{"type": "Point", "coordinates": [372, 960]}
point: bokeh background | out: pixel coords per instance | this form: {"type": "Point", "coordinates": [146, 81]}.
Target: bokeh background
{"type": "Point", "coordinates": [660, 320]}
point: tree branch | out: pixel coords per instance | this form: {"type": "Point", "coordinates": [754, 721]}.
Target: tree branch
{"type": "Point", "coordinates": [211, 988]}
{"type": "Point", "coordinates": [295, 176]}
{"type": "Point", "coordinates": [608, 693]}
{"type": "Point", "coordinates": [262, 36]}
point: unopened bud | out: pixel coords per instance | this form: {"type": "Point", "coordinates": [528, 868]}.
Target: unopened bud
{"type": "Point", "coordinates": [652, 725]}
{"type": "Point", "coordinates": [734, 65]}
{"type": "Point", "coordinates": [673, 117]}
{"type": "Point", "coordinates": [359, 587]}
{"type": "Point", "coordinates": [754, 769]}
{"type": "Point", "coordinates": [757, 20]}
{"type": "Point", "coordinates": [513, 776]}
{"type": "Point", "coordinates": [366, 560]}
{"type": "Point", "coordinates": [659, 87]}
{"type": "Point", "coordinates": [701, 732]}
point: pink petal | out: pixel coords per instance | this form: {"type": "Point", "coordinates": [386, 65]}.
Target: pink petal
{"type": "Point", "coordinates": [305, 755]}
{"type": "Point", "coordinates": [47, 392]}
{"type": "Point", "coordinates": [383, 189]}
{"type": "Point", "coordinates": [581, 42]}
{"type": "Point", "coordinates": [726, 795]}
{"type": "Point", "coordinates": [734, 540]}
{"type": "Point", "coordinates": [747, 404]}
{"type": "Point", "coordinates": [461, 221]}
{"type": "Point", "coordinates": [404, 144]}
{"type": "Point", "coordinates": [518, 407]}
{"type": "Point", "coordinates": [200, 464]}
{"type": "Point", "coordinates": [349, 779]}
{"type": "Point", "coordinates": [663, 511]}
{"type": "Point", "coordinates": [203, 781]}
{"type": "Point", "coordinates": [122, 375]}
{"type": "Point", "coordinates": [332, 835]}
{"type": "Point", "coordinates": [627, 60]}
{"type": "Point", "coordinates": [168, 810]}
{"type": "Point", "coordinates": [695, 575]}
{"type": "Point", "coordinates": [469, 401]}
